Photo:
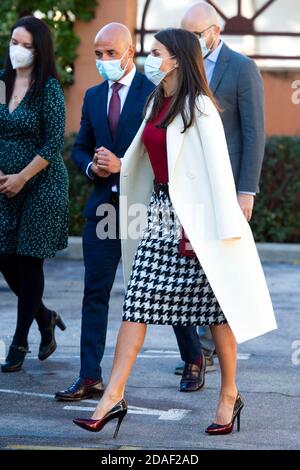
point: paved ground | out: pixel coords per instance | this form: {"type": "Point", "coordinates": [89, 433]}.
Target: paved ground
{"type": "Point", "coordinates": [160, 417]}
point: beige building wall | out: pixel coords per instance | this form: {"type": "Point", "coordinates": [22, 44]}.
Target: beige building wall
{"type": "Point", "coordinates": [282, 116]}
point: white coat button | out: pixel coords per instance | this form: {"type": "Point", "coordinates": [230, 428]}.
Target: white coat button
{"type": "Point", "coordinates": [190, 175]}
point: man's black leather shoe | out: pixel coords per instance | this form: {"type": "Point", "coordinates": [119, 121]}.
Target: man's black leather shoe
{"type": "Point", "coordinates": [193, 377]}
{"type": "Point", "coordinates": [81, 389]}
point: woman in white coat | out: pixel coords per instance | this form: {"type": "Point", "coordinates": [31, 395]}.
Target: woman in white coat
{"type": "Point", "coordinates": [181, 146]}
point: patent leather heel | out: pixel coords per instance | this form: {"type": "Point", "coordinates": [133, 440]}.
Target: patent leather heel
{"type": "Point", "coordinates": [218, 429]}
{"type": "Point", "coordinates": [121, 417]}
{"type": "Point", "coordinates": [238, 416]}
{"type": "Point", "coordinates": [119, 412]}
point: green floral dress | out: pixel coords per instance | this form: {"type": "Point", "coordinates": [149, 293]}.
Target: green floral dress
{"type": "Point", "coordinates": [35, 221]}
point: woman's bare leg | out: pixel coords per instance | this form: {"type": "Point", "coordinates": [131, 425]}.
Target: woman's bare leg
{"type": "Point", "coordinates": [226, 348]}
{"type": "Point", "coordinates": [130, 340]}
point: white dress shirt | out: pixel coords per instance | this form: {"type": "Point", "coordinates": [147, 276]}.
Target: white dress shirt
{"type": "Point", "coordinates": [211, 60]}
{"type": "Point", "coordinates": [123, 92]}
{"type": "Point", "coordinates": [126, 81]}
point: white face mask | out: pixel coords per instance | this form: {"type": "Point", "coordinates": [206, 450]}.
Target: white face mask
{"type": "Point", "coordinates": [152, 69]}
{"type": "Point", "coordinates": [111, 69]}
{"type": "Point", "coordinates": [20, 57]}
{"type": "Point", "coordinates": [204, 49]}
{"type": "Point", "coordinates": [203, 44]}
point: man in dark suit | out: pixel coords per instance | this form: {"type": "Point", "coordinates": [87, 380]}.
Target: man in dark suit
{"type": "Point", "coordinates": [238, 87]}
{"type": "Point", "coordinates": [111, 116]}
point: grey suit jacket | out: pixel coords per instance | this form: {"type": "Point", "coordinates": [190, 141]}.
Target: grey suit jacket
{"type": "Point", "coordinates": [238, 87]}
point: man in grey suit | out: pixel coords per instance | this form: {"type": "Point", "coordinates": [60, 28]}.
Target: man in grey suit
{"type": "Point", "coordinates": [238, 87]}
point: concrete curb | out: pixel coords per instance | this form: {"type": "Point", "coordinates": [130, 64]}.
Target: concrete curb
{"type": "Point", "coordinates": [279, 252]}
{"type": "Point", "coordinates": [268, 252]}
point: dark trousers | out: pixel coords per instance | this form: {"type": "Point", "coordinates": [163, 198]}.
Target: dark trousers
{"type": "Point", "coordinates": [101, 258]}
{"type": "Point", "coordinates": [188, 343]}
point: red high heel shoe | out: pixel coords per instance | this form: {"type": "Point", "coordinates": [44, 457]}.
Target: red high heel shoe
{"type": "Point", "coordinates": [217, 429]}
{"type": "Point", "coordinates": [95, 425]}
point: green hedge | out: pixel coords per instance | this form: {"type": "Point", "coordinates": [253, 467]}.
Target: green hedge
{"type": "Point", "coordinates": [277, 206]}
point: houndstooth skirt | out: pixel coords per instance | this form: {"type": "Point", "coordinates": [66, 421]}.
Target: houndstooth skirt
{"type": "Point", "coordinates": [166, 288]}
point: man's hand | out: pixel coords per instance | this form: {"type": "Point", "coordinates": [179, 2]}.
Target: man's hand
{"type": "Point", "coordinates": [98, 172]}
{"type": "Point", "coordinates": [246, 202]}
{"type": "Point", "coordinates": [11, 185]}
{"type": "Point", "coordinates": [107, 161]}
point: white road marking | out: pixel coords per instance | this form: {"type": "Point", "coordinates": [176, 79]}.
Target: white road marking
{"type": "Point", "coordinates": [170, 415]}
{"type": "Point", "coordinates": [56, 356]}
{"type": "Point", "coordinates": [30, 394]}
{"type": "Point", "coordinates": [150, 354]}
{"type": "Point", "coordinates": [140, 356]}
{"type": "Point", "coordinates": [243, 356]}
{"type": "Point", "coordinates": [161, 351]}
{"type": "Point", "coordinates": [2, 350]}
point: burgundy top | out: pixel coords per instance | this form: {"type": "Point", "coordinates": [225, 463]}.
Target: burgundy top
{"type": "Point", "coordinates": [155, 141]}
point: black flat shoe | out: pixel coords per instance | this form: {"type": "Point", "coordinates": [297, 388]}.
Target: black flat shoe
{"type": "Point", "coordinates": [15, 359]}
{"type": "Point", "coordinates": [46, 350]}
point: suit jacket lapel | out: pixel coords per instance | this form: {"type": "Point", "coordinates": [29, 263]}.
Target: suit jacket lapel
{"type": "Point", "coordinates": [220, 68]}
{"type": "Point", "coordinates": [101, 116]}
{"type": "Point", "coordinates": [129, 103]}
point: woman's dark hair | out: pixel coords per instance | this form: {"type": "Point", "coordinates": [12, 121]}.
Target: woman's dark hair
{"type": "Point", "coordinates": [192, 80]}
{"type": "Point", "coordinates": [44, 59]}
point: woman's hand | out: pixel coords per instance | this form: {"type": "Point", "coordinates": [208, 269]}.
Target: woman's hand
{"type": "Point", "coordinates": [11, 185]}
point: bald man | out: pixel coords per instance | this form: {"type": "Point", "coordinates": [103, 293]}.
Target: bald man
{"type": "Point", "coordinates": [112, 113]}
{"type": "Point", "coordinates": [237, 85]}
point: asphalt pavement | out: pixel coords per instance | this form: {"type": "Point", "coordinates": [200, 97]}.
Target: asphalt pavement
{"type": "Point", "coordinates": [160, 417]}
